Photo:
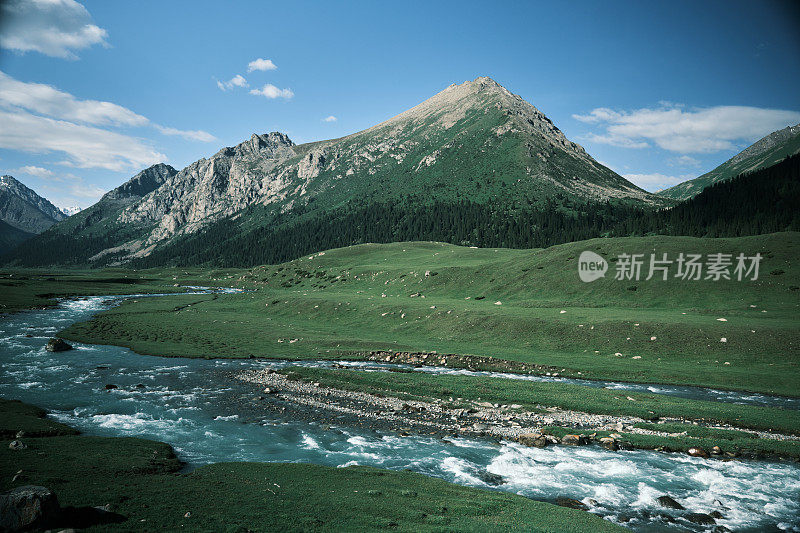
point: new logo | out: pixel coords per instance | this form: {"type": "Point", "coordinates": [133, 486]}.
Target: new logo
{"type": "Point", "coordinates": [591, 266]}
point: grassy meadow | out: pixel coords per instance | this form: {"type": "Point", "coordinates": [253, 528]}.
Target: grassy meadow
{"type": "Point", "coordinates": [522, 305]}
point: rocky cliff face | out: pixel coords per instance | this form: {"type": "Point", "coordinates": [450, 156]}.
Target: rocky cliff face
{"type": "Point", "coordinates": [142, 183]}
{"type": "Point", "coordinates": [227, 182]}
{"type": "Point", "coordinates": [25, 210]}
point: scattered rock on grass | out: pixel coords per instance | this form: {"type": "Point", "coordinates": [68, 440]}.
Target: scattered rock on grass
{"type": "Point", "coordinates": [28, 507]}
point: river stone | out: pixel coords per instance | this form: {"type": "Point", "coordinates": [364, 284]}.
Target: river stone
{"type": "Point", "coordinates": [57, 345]}
{"type": "Point", "coordinates": [701, 519]}
{"type": "Point", "coordinates": [573, 440]}
{"type": "Point", "coordinates": [28, 507]}
{"type": "Point", "coordinates": [669, 502]}
{"type": "Point", "coordinates": [537, 440]}
{"type": "Point", "coordinates": [697, 452]}
{"type": "Point", "coordinates": [572, 503]}
{"type": "Point", "coordinates": [491, 478]}
{"type": "Point", "coordinates": [16, 445]}
{"type": "Point", "coordinates": [716, 450]}
{"type": "Point", "coordinates": [609, 443]}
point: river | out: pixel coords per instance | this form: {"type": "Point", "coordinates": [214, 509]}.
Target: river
{"type": "Point", "coordinates": [194, 405]}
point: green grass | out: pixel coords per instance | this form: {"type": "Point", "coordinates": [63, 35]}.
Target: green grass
{"type": "Point", "coordinates": [334, 305]}
{"type": "Point", "coordinates": [141, 480]}
{"type": "Point", "coordinates": [22, 289]}
{"type": "Point", "coordinates": [565, 396]}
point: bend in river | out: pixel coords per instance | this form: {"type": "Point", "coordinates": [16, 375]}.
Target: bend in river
{"type": "Point", "coordinates": [195, 406]}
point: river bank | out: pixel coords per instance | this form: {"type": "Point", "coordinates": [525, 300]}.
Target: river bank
{"type": "Point", "coordinates": [378, 408]}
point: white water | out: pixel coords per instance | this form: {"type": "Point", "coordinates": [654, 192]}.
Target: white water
{"type": "Point", "coordinates": [196, 407]}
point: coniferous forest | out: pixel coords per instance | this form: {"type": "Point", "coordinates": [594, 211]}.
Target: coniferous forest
{"type": "Point", "coordinates": [763, 201]}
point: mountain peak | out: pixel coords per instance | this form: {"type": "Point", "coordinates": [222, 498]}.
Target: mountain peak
{"type": "Point", "coordinates": [22, 208]}
{"type": "Point", "coordinates": [142, 183]}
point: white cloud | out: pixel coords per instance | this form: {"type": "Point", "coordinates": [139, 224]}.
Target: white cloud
{"type": "Point", "coordinates": [656, 181]}
{"type": "Point", "coordinates": [32, 170]}
{"type": "Point", "coordinates": [72, 193]}
{"type": "Point", "coordinates": [47, 100]}
{"type": "Point", "coordinates": [270, 91]}
{"type": "Point", "coordinates": [684, 161]}
{"type": "Point", "coordinates": [330, 119]}
{"type": "Point", "coordinates": [84, 146]}
{"type": "Point", "coordinates": [261, 64]}
{"type": "Point", "coordinates": [192, 135]}
{"type": "Point", "coordinates": [675, 129]}
{"type": "Point", "coordinates": [52, 27]}
{"type": "Point", "coordinates": [236, 81]}
{"type": "Point", "coordinates": [40, 118]}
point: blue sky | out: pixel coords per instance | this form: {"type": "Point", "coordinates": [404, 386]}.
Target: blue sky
{"type": "Point", "coordinates": [92, 92]}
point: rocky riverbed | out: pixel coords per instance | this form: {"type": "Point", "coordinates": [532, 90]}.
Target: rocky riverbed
{"type": "Point", "coordinates": [457, 417]}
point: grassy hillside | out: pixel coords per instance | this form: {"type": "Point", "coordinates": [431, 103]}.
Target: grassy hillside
{"type": "Point", "coordinates": [521, 305]}
{"type": "Point", "coordinates": [140, 480]}
{"type": "Point", "coordinates": [733, 167]}
{"type": "Point", "coordinates": [10, 237]}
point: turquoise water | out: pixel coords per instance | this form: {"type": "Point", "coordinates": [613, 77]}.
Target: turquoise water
{"type": "Point", "coordinates": [196, 407]}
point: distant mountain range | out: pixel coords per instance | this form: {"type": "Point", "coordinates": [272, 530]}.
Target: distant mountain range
{"type": "Point", "coordinates": [474, 150]}
{"type": "Point", "coordinates": [472, 165]}
{"type": "Point", "coordinates": [23, 213]}
{"type": "Point", "coordinates": [764, 153]}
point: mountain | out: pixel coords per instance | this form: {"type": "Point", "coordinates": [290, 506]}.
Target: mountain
{"type": "Point", "coordinates": [10, 237]}
{"type": "Point", "coordinates": [23, 209]}
{"type": "Point", "coordinates": [473, 164]}
{"type": "Point", "coordinates": [762, 201]}
{"type": "Point", "coordinates": [762, 154]}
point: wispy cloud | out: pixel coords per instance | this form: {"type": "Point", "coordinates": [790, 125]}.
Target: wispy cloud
{"type": "Point", "coordinates": [261, 64]}
{"type": "Point", "coordinates": [55, 28]}
{"type": "Point", "coordinates": [673, 128]}
{"type": "Point", "coordinates": [684, 161]}
{"type": "Point", "coordinates": [270, 91]}
{"type": "Point", "coordinates": [330, 118]}
{"type": "Point", "coordinates": [32, 170]}
{"type": "Point", "coordinates": [192, 135]}
{"type": "Point", "coordinates": [656, 181]}
{"type": "Point", "coordinates": [39, 118]}
{"type": "Point", "coordinates": [72, 192]}
{"type": "Point", "coordinates": [236, 81]}
{"type": "Point", "coordinates": [84, 146]}
{"type": "Point", "coordinates": [47, 100]}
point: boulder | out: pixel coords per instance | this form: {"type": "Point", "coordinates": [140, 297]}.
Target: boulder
{"type": "Point", "coordinates": [700, 518]}
{"type": "Point", "coordinates": [57, 345]}
{"type": "Point", "coordinates": [716, 450]}
{"type": "Point", "coordinates": [609, 443]}
{"type": "Point", "coordinates": [491, 478]}
{"type": "Point", "coordinates": [697, 452]}
{"type": "Point", "coordinates": [573, 440]}
{"type": "Point", "coordinates": [669, 502]}
{"type": "Point", "coordinates": [28, 507]}
{"type": "Point", "coordinates": [16, 445]}
{"type": "Point", "coordinates": [572, 503]}
{"type": "Point", "coordinates": [537, 440]}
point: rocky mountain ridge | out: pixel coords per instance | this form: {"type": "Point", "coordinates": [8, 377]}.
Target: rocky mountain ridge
{"type": "Point", "coordinates": [25, 210]}
{"type": "Point", "coordinates": [475, 141]}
